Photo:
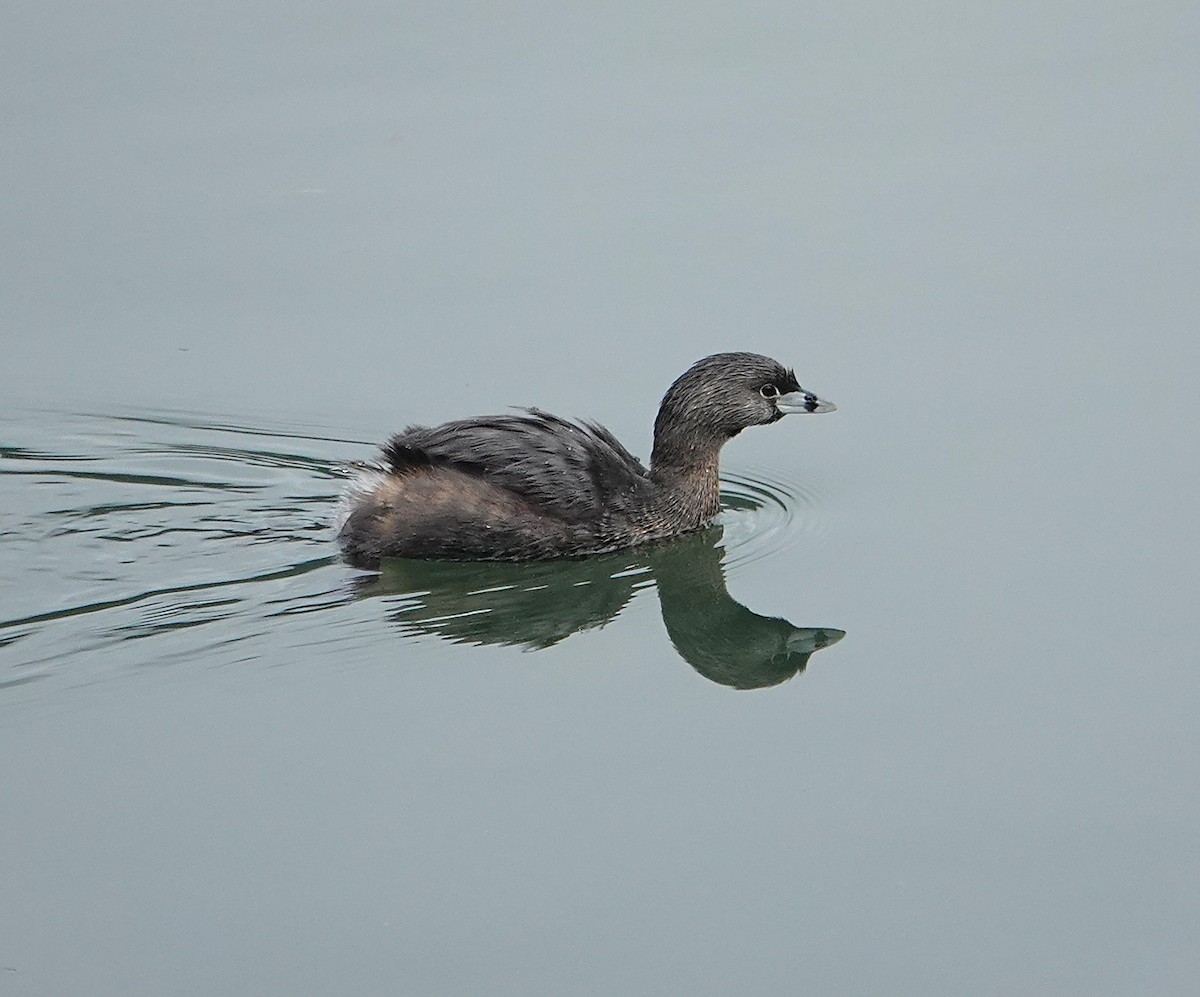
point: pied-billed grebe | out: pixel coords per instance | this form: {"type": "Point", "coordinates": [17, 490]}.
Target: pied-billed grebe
{"type": "Point", "coordinates": [524, 487]}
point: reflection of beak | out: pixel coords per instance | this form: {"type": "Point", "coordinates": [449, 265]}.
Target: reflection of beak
{"type": "Point", "coordinates": [805, 640]}
{"type": "Point", "coordinates": [799, 402]}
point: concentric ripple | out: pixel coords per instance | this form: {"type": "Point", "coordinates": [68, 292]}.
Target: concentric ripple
{"type": "Point", "coordinates": [764, 516]}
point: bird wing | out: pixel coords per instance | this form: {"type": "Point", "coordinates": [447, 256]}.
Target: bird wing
{"type": "Point", "coordinates": [575, 471]}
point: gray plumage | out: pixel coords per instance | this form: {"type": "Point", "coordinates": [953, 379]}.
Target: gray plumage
{"type": "Point", "coordinates": [575, 471]}
{"type": "Point", "coordinates": [517, 487]}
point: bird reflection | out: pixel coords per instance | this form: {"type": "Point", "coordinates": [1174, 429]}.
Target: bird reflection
{"type": "Point", "coordinates": [535, 604]}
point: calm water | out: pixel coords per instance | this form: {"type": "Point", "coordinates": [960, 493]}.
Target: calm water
{"type": "Point", "coordinates": [918, 716]}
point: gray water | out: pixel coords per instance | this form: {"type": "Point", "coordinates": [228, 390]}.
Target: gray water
{"type": "Point", "coordinates": [918, 716]}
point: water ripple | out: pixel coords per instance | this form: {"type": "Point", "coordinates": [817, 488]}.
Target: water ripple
{"type": "Point", "coordinates": [175, 528]}
{"type": "Point", "coordinates": [764, 516]}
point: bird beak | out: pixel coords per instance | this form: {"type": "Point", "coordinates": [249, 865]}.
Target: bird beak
{"type": "Point", "coordinates": [798, 402]}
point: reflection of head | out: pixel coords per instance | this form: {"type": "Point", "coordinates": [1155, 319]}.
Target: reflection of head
{"type": "Point", "coordinates": [718, 636]}
{"type": "Point", "coordinates": [536, 604]}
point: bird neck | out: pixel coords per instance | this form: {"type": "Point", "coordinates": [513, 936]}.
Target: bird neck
{"type": "Point", "coordinates": [688, 483]}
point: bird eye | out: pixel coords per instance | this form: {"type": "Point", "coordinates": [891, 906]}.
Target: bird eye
{"type": "Point", "coordinates": [769, 391]}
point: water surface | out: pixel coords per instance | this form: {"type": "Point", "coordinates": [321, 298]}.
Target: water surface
{"type": "Point", "coordinates": [244, 243]}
